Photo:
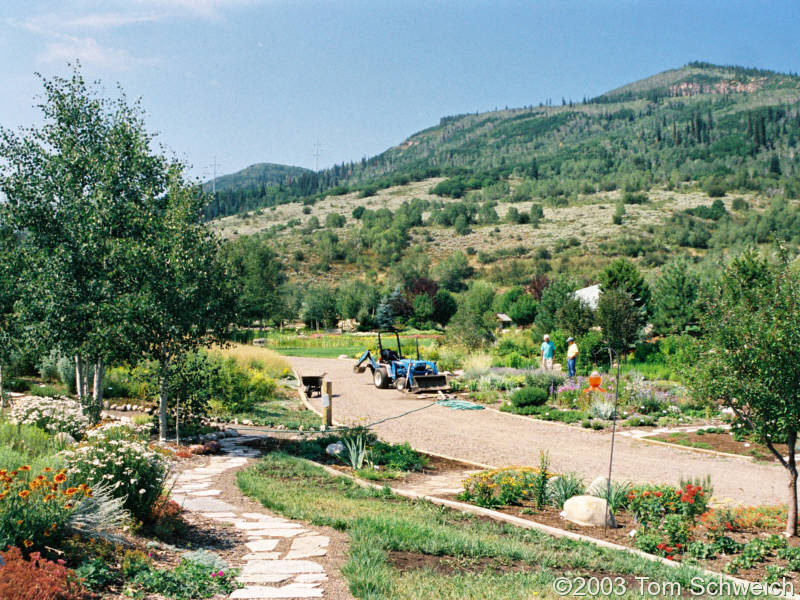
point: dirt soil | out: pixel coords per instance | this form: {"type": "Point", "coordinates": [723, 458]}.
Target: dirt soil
{"type": "Point", "coordinates": [501, 439]}
{"type": "Point", "coordinates": [550, 516]}
{"type": "Point", "coordinates": [721, 442]}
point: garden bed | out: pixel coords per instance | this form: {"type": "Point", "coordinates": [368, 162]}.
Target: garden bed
{"type": "Point", "coordinates": [719, 442]}
{"type": "Point", "coordinates": [671, 522]}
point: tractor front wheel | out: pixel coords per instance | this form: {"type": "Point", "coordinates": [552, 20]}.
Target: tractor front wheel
{"type": "Point", "coordinates": [381, 378]}
{"type": "Point", "coordinates": [400, 384]}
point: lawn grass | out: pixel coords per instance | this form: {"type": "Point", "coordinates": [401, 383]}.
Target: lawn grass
{"type": "Point", "coordinates": [332, 352]}
{"type": "Point", "coordinates": [378, 523]}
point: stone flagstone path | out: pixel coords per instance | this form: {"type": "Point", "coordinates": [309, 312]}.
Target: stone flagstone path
{"type": "Point", "coordinates": [278, 556]}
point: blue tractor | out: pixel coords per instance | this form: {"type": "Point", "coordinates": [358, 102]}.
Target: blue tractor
{"type": "Point", "coordinates": [405, 374]}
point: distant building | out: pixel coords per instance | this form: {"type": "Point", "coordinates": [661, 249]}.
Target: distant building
{"type": "Point", "coordinates": [504, 321]}
{"type": "Point", "coordinates": [590, 295]}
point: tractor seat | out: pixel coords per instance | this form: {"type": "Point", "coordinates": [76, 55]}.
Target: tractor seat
{"type": "Point", "coordinates": [388, 355]}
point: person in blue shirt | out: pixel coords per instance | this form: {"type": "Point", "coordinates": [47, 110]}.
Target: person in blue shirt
{"type": "Point", "coordinates": [548, 351]}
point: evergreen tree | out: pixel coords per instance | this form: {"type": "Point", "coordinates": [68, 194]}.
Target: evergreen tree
{"type": "Point", "coordinates": [675, 297]}
{"type": "Point", "coordinates": [384, 316]}
{"type": "Point", "coordinates": [622, 274]}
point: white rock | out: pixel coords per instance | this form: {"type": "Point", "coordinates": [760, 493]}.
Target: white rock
{"type": "Point", "coordinates": [589, 511]}
{"type": "Point", "coordinates": [334, 449]}
{"type": "Point", "coordinates": [599, 485]}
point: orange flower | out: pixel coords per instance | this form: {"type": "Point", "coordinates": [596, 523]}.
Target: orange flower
{"type": "Point", "coordinates": [27, 543]}
{"type": "Point", "coordinates": [3, 494]}
{"type": "Point", "coordinates": [40, 478]}
{"type": "Point", "coordinates": [60, 478]}
{"type": "Point", "coordinates": [25, 468]}
{"type": "Point", "coordinates": [70, 491]}
{"type": "Point", "coordinates": [24, 493]}
{"type": "Point", "coordinates": [48, 469]}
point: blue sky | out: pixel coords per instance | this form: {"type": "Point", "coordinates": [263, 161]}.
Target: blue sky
{"type": "Point", "coordinates": [264, 81]}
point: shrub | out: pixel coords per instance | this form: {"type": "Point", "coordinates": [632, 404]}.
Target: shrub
{"type": "Point", "coordinates": [94, 573]}
{"type": "Point", "coordinates": [634, 198]}
{"type": "Point", "coordinates": [545, 380]}
{"type": "Point", "coordinates": [602, 409]}
{"type": "Point", "coordinates": [35, 511]}
{"type": "Point", "coordinates": [398, 457]}
{"type": "Point", "coordinates": [529, 396]}
{"type": "Point", "coordinates": [167, 520]}
{"type": "Point", "coordinates": [51, 414]}
{"type": "Point", "coordinates": [562, 488]}
{"type": "Point", "coordinates": [187, 581]}
{"type": "Point", "coordinates": [133, 471]}
{"type": "Point", "coordinates": [651, 504]}
{"type": "Point", "coordinates": [499, 487]}
{"type": "Point", "coordinates": [37, 579]}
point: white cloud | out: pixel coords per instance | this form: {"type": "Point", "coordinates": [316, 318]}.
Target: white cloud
{"type": "Point", "coordinates": [89, 52]}
{"type": "Point", "coordinates": [111, 20]}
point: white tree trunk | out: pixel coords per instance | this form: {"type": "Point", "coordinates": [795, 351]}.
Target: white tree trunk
{"type": "Point", "coordinates": [97, 392]}
{"type": "Point", "coordinates": [162, 400]}
{"type": "Point", "coordinates": [79, 377]}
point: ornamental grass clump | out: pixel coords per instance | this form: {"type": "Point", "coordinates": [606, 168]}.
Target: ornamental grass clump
{"type": "Point", "coordinates": [129, 468]}
{"type": "Point", "coordinates": [56, 415]}
{"type": "Point", "coordinates": [35, 510]}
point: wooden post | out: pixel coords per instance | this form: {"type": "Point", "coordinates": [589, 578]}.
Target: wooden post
{"type": "Point", "coordinates": [327, 404]}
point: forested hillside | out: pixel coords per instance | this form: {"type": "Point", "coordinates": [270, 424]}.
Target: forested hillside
{"type": "Point", "coordinates": [671, 174]}
{"type": "Point", "coordinates": [726, 127]}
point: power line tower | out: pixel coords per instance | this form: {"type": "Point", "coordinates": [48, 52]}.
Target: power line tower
{"type": "Point", "coordinates": [317, 152]}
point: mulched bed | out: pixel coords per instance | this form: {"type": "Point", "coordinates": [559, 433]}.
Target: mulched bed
{"type": "Point", "coordinates": [721, 442]}
{"type": "Point", "coordinates": [458, 565]}
{"type": "Point", "coordinates": [551, 516]}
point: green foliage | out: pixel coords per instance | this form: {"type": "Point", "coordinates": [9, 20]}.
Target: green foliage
{"type": "Point", "coordinates": [188, 581]}
{"type": "Point", "coordinates": [754, 310]}
{"type": "Point", "coordinates": [94, 573]}
{"type": "Point", "coordinates": [137, 473]}
{"type": "Point", "coordinates": [398, 457]}
{"type": "Point", "coordinates": [563, 487]}
{"type": "Point", "coordinates": [620, 319]}
{"type": "Point", "coordinates": [529, 396]}
{"type": "Point", "coordinates": [453, 271]}
{"type": "Point", "coordinates": [260, 274]}
{"type": "Point", "coordinates": [622, 274]}
{"type": "Point", "coordinates": [675, 298]}
{"type": "Point", "coordinates": [539, 484]}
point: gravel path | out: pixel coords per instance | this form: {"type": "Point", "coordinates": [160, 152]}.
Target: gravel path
{"type": "Point", "coordinates": [499, 439]}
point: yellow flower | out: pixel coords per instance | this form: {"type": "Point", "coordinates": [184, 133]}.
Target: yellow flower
{"type": "Point", "coordinates": [24, 493]}
{"type": "Point", "coordinates": [27, 543]}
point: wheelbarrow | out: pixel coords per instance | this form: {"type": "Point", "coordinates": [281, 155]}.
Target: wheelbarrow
{"type": "Point", "coordinates": [312, 383]}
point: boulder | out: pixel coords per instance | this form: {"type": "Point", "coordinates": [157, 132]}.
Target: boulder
{"type": "Point", "coordinates": [106, 404]}
{"type": "Point", "coordinates": [599, 486]}
{"type": "Point", "coordinates": [231, 433]}
{"type": "Point", "coordinates": [589, 511]}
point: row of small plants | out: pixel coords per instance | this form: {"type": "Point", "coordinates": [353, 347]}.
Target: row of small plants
{"type": "Point", "coordinates": [65, 508]}
{"type": "Point", "coordinates": [551, 396]}
{"type": "Point", "coordinates": [672, 522]}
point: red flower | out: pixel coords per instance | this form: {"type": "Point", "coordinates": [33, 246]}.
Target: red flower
{"type": "Point", "coordinates": [659, 494]}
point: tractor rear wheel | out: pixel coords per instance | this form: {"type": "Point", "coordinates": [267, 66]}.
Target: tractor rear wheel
{"type": "Point", "coordinates": [381, 378]}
